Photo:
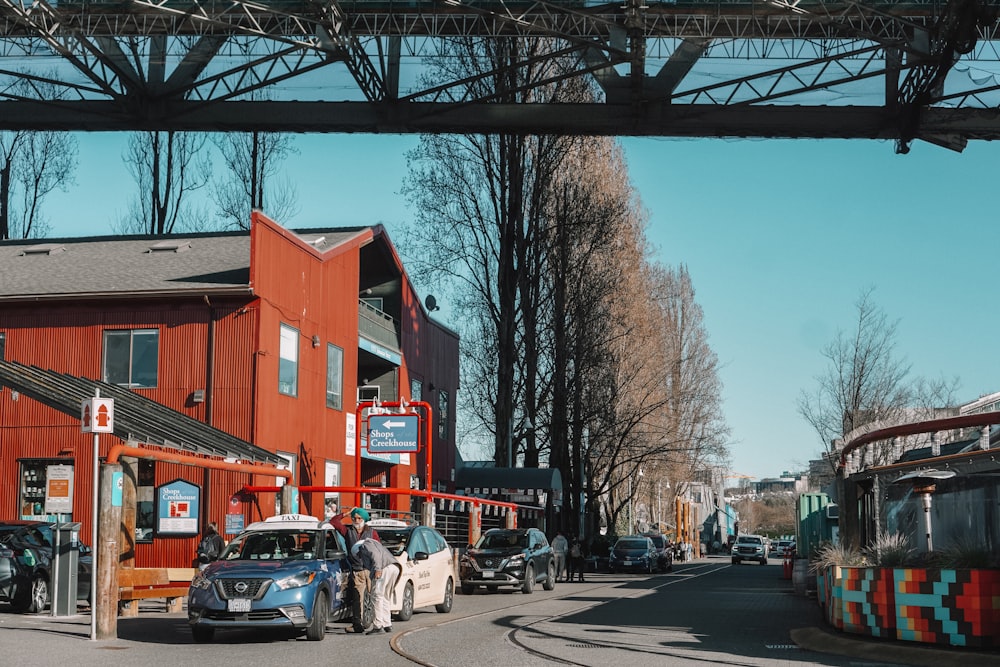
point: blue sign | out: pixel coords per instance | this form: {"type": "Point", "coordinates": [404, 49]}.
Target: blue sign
{"type": "Point", "coordinates": [234, 524]}
{"type": "Point", "coordinates": [117, 484]}
{"type": "Point", "coordinates": [393, 433]}
{"type": "Point", "coordinates": [177, 505]}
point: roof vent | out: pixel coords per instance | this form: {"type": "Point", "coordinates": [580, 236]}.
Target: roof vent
{"type": "Point", "coordinates": [44, 249]}
{"type": "Point", "coordinates": [318, 241]}
{"type": "Point", "coordinates": [170, 246]}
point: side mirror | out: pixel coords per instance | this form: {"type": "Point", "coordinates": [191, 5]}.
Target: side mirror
{"type": "Point", "coordinates": [334, 554]}
{"type": "Point", "coordinates": [420, 555]}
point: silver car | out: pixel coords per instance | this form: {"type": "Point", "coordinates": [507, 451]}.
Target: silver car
{"type": "Point", "coordinates": [750, 547]}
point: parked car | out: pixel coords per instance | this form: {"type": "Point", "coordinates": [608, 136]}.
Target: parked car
{"type": "Point", "coordinates": [26, 550]}
{"type": "Point", "coordinates": [519, 557]}
{"type": "Point", "coordinates": [286, 572]}
{"type": "Point", "coordinates": [750, 547]}
{"type": "Point", "coordinates": [782, 548]}
{"type": "Point", "coordinates": [664, 552]}
{"type": "Point", "coordinates": [427, 566]}
{"type": "Point", "coordinates": [633, 553]}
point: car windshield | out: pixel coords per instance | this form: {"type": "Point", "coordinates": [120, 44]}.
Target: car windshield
{"type": "Point", "coordinates": [631, 544]}
{"type": "Point", "coordinates": [749, 540]}
{"type": "Point", "coordinates": [658, 541]}
{"type": "Point", "coordinates": [395, 539]}
{"type": "Point", "coordinates": [502, 540]}
{"type": "Point", "coordinates": [272, 545]}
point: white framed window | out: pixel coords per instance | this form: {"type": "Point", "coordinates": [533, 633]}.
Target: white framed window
{"type": "Point", "coordinates": [334, 377]}
{"type": "Point", "coordinates": [288, 361]}
{"type": "Point", "coordinates": [131, 357]}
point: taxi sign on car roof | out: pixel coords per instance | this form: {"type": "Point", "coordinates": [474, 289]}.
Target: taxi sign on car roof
{"type": "Point", "coordinates": [290, 521]}
{"type": "Point", "coordinates": [389, 523]}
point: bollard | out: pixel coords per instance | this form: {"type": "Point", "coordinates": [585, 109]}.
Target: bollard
{"type": "Point", "coordinates": [786, 567]}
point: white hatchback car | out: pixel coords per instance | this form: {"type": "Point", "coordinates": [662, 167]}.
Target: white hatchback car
{"type": "Point", "coordinates": [427, 564]}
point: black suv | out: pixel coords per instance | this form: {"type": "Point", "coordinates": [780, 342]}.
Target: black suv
{"type": "Point", "coordinates": [520, 557]}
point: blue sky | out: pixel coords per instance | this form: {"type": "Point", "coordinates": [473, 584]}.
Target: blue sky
{"type": "Point", "coordinates": [780, 238]}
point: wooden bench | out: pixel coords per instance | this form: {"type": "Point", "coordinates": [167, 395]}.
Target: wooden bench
{"type": "Point", "coordinates": [147, 583]}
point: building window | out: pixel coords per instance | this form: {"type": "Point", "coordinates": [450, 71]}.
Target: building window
{"type": "Point", "coordinates": [131, 357]}
{"type": "Point", "coordinates": [145, 494]}
{"type": "Point", "coordinates": [288, 361]}
{"type": "Point", "coordinates": [334, 377]}
{"type": "Point", "coordinates": [3, 338]}
{"type": "Point", "coordinates": [443, 415]}
{"type": "Point", "coordinates": [416, 390]}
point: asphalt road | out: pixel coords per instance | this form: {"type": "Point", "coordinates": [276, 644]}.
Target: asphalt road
{"type": "Point", "coordinates": [704, 613]}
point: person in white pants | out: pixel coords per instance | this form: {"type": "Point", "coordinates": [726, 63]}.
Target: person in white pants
{"type": "Point", "coordinates": [384, 571]}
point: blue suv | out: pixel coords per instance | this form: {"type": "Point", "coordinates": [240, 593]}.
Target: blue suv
{"type": "Point", "coordinates": [287, 572]}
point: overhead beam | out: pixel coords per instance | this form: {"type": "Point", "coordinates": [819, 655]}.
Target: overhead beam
{"type": "Point", "coordinates": [436, 118]}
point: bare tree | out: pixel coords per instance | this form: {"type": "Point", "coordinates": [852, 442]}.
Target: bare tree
{"type": "Point", "coordinates": [168, 167]}
{"type": "Point", "coordinates": [866, 384]}
{"type": "Point", "coordinates": [480, 202]}
{"type": "Point", "coordinates": [32, 165]}
{"type": "Point", "coordinates": [253, 160]}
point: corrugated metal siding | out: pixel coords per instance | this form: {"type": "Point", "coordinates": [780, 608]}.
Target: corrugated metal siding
{"type": "Point", "coordinates": [319, 298]}
{"type": "Point", "coordinates": [234, 369]}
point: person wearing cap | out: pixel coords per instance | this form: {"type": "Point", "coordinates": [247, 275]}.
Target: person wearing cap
{"type": "Point", "coordinates": [353, 525]}
{"type": "Point", "coordinates": [382, 571]}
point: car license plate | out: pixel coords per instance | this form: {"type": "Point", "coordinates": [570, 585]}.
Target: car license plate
{"type": "Point", "coordinates": [628, 562]}
{"type": "Point", "coordinates": [488, 574]}
{"type": "Point", "coordinates": [238, 604]}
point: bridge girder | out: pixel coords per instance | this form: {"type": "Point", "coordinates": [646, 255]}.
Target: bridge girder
{"type": "Point", "coordinates": [114, 72]}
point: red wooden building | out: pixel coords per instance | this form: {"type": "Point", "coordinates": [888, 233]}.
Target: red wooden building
{"type": "Point", "coordinates": [258, 342]}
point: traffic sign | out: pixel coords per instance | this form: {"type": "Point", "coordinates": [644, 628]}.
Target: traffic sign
{"type": "Point", "coordinates": [388, 434]}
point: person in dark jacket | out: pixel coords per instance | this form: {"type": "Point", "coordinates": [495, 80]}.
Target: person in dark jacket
{"type": "Point", "coordinates": [361, 583]}
{"type": "Point", "coordinates": [211, 545]}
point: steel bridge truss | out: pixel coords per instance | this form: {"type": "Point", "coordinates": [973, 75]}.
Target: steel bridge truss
{"type": "Point", "coordinates": [757, 68]}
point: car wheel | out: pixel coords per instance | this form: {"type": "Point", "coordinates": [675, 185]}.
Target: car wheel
{"type": "Point", "coordinates": [529, 580]}
{"type": "Point", "coordinates": [468, 589]}
{"type": "Point", "coordinates": [406, 610]}
{"type": "Point", "coordinates": [736, 561]}
{"type": "Point", "coordinates": [449, 597]}
{"type": "Point", "coordinates": [37, 596]}
{"type": "Point", "coordinates": [202, 635]}
{"type": "Point", "coordinates": [316, 629]}
{"type": "Point", "coordinates": [550, 578]}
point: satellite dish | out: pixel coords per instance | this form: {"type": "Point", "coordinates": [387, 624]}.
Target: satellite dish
{"type": "Point", "coordinates": [431, 303]}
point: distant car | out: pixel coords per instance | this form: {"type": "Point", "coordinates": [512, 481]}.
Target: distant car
{"type": "Point", "coordinates": [750, 547]}
{"type": "Point", "coordinates": [633, 553]}
{"type": "Point", "coordinates": [782, 548]}
{"type": "Point", "coordinates": [427, 566]}
{"type": "Point", "coordinates": [664, 552]}
{"type": "Point", "coordinates": [286, 572]}
{"type": "Point", "coordinates": [26, 550]}
{"type": "Point", "coordinates": [519, 557]}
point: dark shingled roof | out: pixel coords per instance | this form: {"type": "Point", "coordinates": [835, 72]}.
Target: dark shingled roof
{"type": "Point", "coordinates": [136, 265]}
{"type": "Point", "coordinates": [136, 417]}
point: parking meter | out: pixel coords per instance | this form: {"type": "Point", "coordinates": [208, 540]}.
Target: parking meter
{"type": "Point", "coordinates": [65, 568]}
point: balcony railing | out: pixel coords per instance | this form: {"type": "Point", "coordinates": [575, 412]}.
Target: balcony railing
{"type": "Point", "coordinates": [376, 326]}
